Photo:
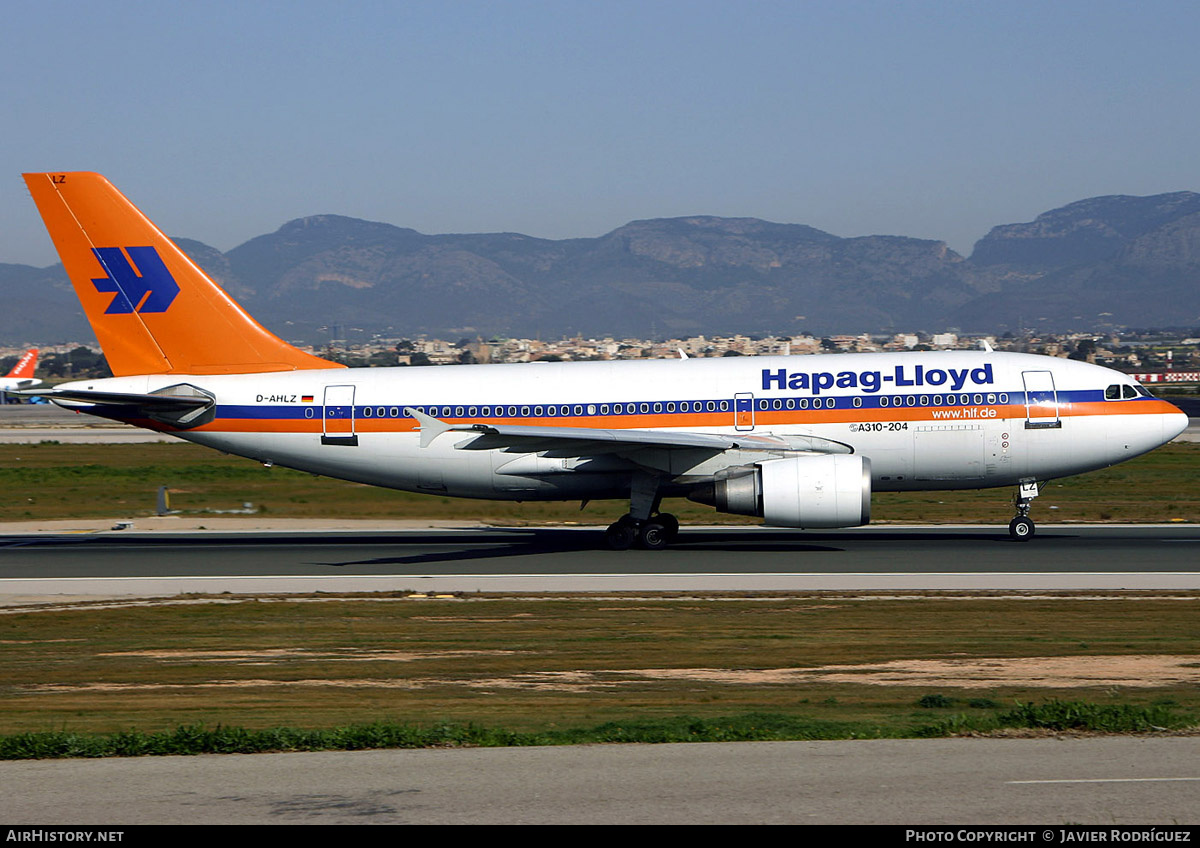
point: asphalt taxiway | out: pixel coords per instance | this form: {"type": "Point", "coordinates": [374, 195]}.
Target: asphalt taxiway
{"type": "Point", "coordinates": [1045, 782]}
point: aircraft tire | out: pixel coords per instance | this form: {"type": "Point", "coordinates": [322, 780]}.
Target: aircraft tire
{"type": "Point", "coordinates": [653, 536]}
{"type": "Point", "coordinates": [620, 536]}
{"type": "Point", "coordinates": [1021, 529]}
{"type": "Point", "coordinates": [670, 523]}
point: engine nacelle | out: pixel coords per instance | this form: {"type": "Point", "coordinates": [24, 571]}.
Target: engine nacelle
{"type": "Point", "coordinates": [803, 491]}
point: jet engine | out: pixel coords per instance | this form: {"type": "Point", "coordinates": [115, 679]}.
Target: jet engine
{"type": "Point", "coordinates": [803, 491]}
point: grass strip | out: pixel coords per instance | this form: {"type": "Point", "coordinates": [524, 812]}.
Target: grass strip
{"type": "Point", "coordinates": [1067, 717]}
{"type": "Point", "coordinates": [1055, 715]}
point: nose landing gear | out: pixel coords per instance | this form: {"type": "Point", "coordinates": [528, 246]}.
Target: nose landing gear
{"type": "Point", "coordinates": [1022, 528]}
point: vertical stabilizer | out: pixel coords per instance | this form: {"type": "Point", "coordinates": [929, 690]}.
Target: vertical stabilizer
{"type": "Point", "coordinates": [152, 309]}
{"type": "Point", "coordinates": [25, 365]}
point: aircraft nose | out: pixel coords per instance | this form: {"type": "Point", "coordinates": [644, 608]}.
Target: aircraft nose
{"type": "Point", "coordinates": [1173, 423]}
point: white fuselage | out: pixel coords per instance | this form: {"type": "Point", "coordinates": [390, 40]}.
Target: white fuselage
{"type": "Point", "coordinates": [928, 420]}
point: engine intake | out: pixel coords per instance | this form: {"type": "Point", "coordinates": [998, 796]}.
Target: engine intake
{"type": "Point", "coordinates": [804, 491]}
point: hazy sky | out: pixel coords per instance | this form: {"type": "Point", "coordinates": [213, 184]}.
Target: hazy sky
{"type": "Point", "coordinates": [223, 120]}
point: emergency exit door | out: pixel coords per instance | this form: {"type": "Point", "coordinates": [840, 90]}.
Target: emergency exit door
{"type": "Point", "coordinates": [743, 411]}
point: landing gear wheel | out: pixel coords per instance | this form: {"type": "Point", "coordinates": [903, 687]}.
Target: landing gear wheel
{"type": "Point", "coordinates": [1021, 529]}
{"type": "Point", "coordinates": [670, 523]}
{"type": "Point", "coordinates": [620, 535]}
{"type": "Point", "coordinates": [653, 536]}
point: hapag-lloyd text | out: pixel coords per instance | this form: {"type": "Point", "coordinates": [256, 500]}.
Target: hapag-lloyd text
{"type": "Point", "coordinates": [872, 381]}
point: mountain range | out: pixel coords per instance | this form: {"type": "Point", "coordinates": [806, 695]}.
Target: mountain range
{"type": "Point", "coordinates": [1091, 265]}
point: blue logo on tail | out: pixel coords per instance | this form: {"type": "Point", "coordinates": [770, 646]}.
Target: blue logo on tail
{"type": "Point", "coordinates": [147, 288]}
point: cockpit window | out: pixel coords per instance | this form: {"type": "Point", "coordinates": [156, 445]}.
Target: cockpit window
{"type": "Point", "coordinates": [1121, 391]}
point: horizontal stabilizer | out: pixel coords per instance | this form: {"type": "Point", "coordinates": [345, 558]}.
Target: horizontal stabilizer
{"type": "Point", "coordinates": [182, 406]}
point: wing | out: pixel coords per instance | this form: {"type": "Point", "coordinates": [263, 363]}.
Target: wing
{"type": "Point", "coordinates": [579, 441]}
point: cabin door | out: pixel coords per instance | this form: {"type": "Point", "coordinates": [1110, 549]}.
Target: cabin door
{"type": "Point", "coordinates": [339, 416]}
{"type": "Point", "coordinates": [1041, 401]}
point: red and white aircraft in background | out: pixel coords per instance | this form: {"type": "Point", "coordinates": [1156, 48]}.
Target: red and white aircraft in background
{"type": "Point", "coordinates": [21, 377]}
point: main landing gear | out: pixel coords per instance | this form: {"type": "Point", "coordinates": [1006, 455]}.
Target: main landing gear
{"type": "Point", "coordinates": [653, 534]}
{"type": "Point", "coordinates": [643, 524]}
{"type": "Point", "coordinates": [1022, 528]}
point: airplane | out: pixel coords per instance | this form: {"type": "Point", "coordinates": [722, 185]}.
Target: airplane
{"type": "Point", "coordinates": [800, 441]}
{"type": "Point", "coordinates": [21, 376]}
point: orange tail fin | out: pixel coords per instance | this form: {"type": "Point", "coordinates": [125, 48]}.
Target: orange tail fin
{"type": "Point", "coordinates": [152, 309]}
{"type": "Point", "coordinates": [25, 365]}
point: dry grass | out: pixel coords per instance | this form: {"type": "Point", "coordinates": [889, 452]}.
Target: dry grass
{"type": "Point", "coordinates": [535, 664]}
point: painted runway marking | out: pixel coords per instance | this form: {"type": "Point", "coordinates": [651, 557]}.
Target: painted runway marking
{"type": "Point", "coordinates": [1108, 780]}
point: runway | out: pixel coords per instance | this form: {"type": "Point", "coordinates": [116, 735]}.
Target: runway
{"type": "Point", "coordinates": [1060, 557]}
